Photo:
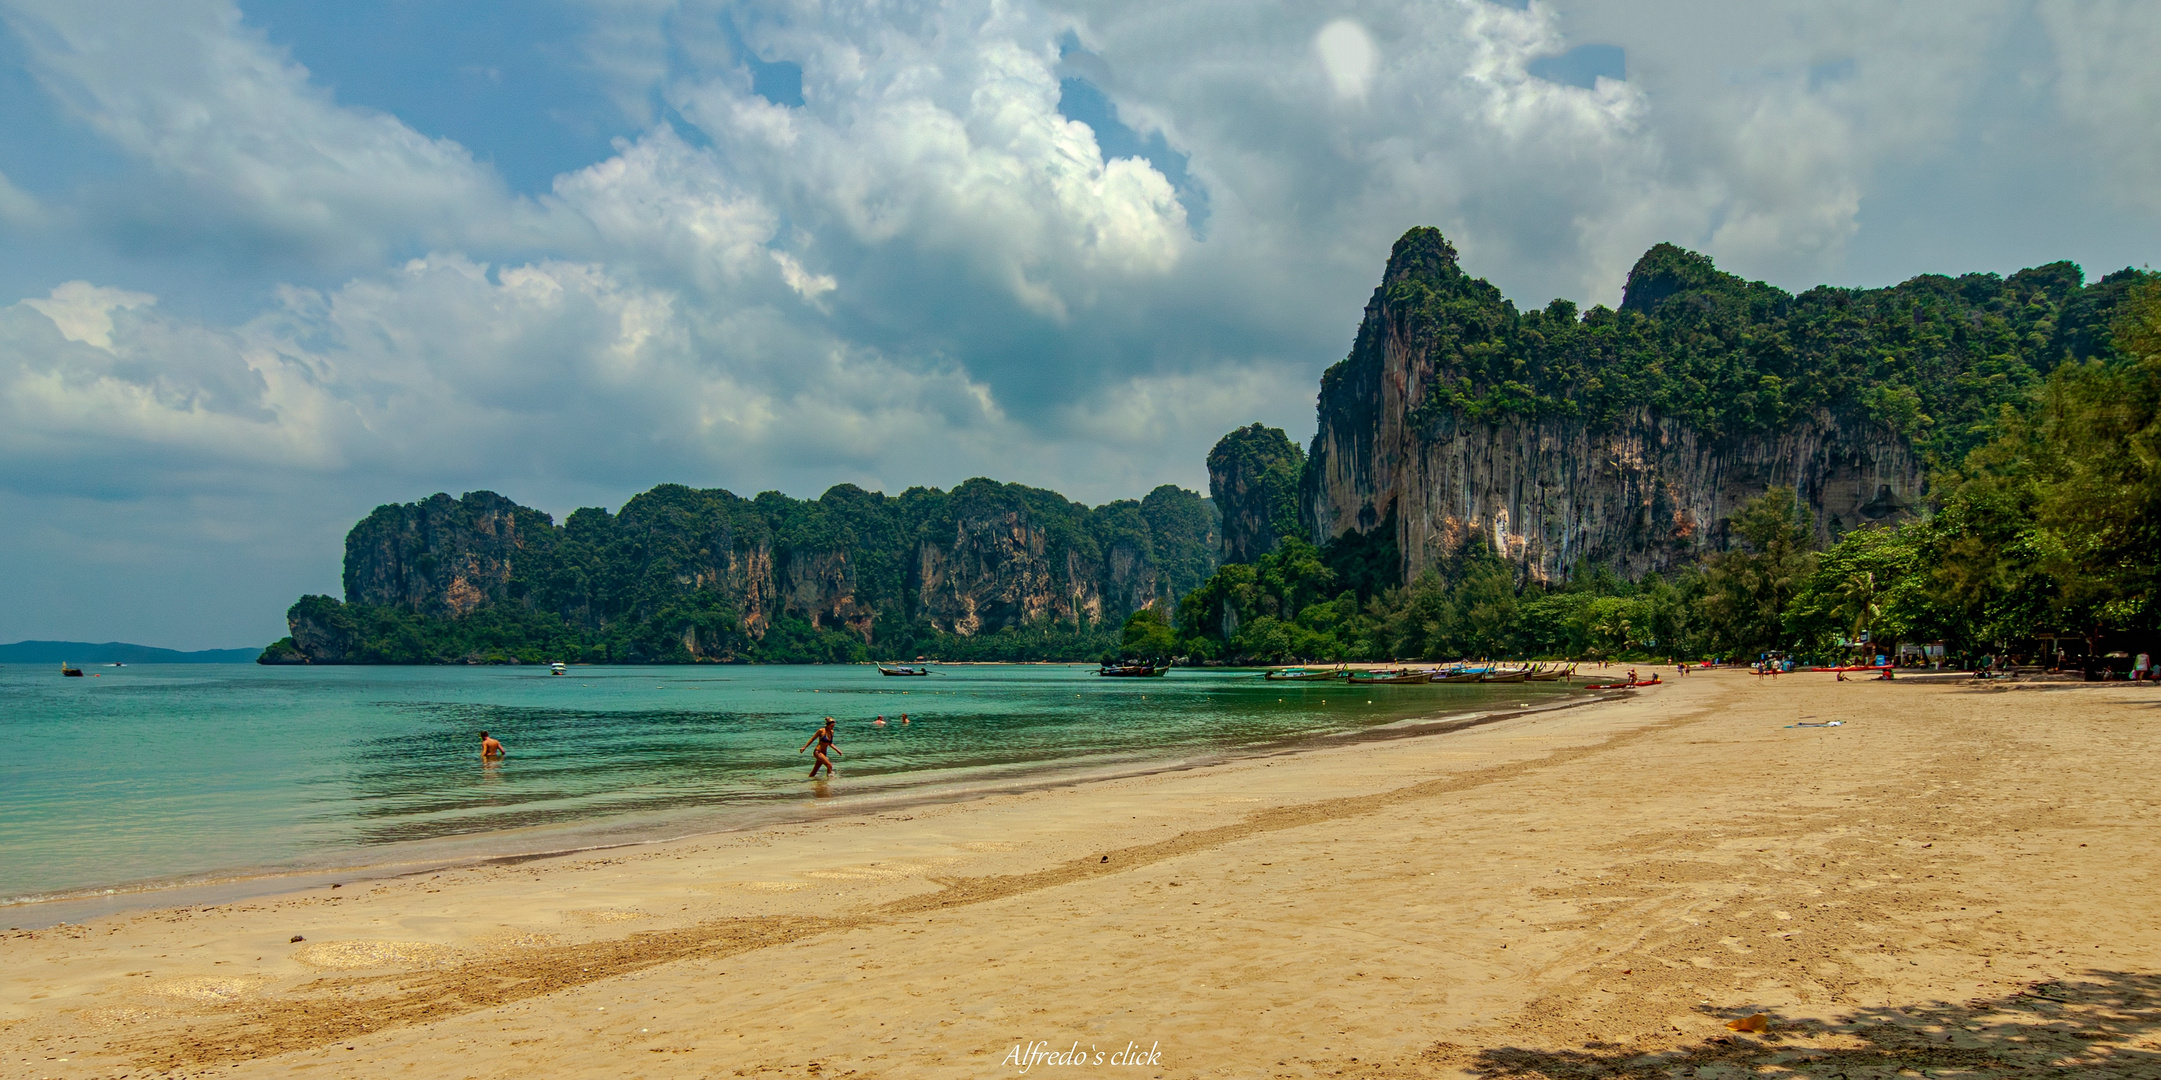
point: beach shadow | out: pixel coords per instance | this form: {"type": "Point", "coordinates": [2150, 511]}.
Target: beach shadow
{"type": "Point", "coordinates": [2103, 1023]}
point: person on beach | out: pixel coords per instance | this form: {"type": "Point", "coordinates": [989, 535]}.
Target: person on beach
{"type": "Point", "coordinates": [824, 738]}
{"type": "Point", "coordinates": [490, 750]}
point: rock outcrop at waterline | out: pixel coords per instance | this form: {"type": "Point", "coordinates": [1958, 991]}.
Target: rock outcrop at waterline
{"type": "Point", "coordinates": [1627, 438]}
{"type": "Point", "coordinates": [684, 574]}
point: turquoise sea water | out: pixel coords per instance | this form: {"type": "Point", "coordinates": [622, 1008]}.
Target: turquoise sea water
{"type": "Point", "coordinates": [161, 774]}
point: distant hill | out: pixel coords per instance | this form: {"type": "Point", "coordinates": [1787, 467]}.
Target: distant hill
{"type": "Point", "coordinates": [82, 652]}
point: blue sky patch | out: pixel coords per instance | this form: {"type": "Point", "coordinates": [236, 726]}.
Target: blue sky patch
{"type": "Point", "coordinates": [506, 80]}
{"type": "Point", "coordinates": [1079, 99]}
{"type": "Point", "coordinates": [1582, 65]}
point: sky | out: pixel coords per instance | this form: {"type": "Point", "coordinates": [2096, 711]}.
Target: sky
{"type": "Point", "coordinates": [267, 265]}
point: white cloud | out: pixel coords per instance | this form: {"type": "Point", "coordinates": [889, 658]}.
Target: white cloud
{"type": "Point", "coordinates": [244, 152]}
{"type": "Point", "coordinates": [943, 141]}
{"type": "Point", "coordinates": [84, 312]}
{"type": "Point", "coordinates": [1348, 54]}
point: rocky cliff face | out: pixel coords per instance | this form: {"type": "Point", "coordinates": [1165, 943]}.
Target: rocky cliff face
{"type": "Point", "coordinates": [1416, 424]}
{"type": "Point", "coordinates": [440, 556]}
{"type": "Point", "coordinates": [1253, 477]}
{"type": "Point", "coordinates": [714, 572]}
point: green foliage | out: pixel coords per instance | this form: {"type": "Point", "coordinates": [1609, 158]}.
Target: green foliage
{"type": "Point", "coordinates": [1253, 478]}
{"type": "Point", "coordinates": [1042, 640]}
{"type": "Point", "coordinates": [1183, 534]}
{"type": "Point", "coordinates": [2053, 526]}
{"type": "Point", "coordinates": [1873, 582]}
{"type": "Point", "coordinates": [682, 575]}
{"type": "Point", "coordinates": [1747, 589]}
{"type": "Point", "coordinates": [1934, 358]}
{"type": "Point", "coordinates": [1280, 609]}
{"type": "Point", "coordinates": [282, 651]}
{"type": "Point", "coordinates": [1148, 637]}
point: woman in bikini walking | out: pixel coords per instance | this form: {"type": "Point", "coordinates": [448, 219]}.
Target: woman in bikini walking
{"type": "Point", "coordinates": [824, 738]}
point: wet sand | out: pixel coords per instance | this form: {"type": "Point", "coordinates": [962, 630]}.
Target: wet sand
{"type": "Point", "coordinates": [1954, 881]}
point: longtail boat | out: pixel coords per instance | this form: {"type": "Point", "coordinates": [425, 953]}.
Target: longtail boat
{"type": "Point", "coordinates": [1513, 675]}
{"type": "Point", "coordinates": [884, 670]}
{"type": "Point", "coordinates": [1368, 678]}
{"type": "Point", "coordinates": [1132, 671]}
{"type": "Point", "coordinates": [1553, 674]}
{"type": "Point", "coordinates": [1652, 681]}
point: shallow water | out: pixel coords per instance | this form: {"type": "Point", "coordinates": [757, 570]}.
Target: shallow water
{"type": "Point", "coordinates": [158, 774]}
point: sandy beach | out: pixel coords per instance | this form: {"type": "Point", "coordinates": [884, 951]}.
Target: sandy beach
{"type": "Point", "coordinates": [1952, 881]}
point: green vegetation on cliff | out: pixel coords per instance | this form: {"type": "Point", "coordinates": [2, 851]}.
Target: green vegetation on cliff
{"type": "Point", "coordinates": [1934, 358]}
{"type": "Point", "coordinates": [1253, 478]}
{"type": "Point", "coordinates": [2049, 526]}
{"type": "Point", "coordinates": [2050, 529]}
{"type": "Point", "coordinates": [986, 571]}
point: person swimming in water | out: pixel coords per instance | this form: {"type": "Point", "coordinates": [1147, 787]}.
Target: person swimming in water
{"type": "Point", "coordinates": [490, 750]}
{"type": "Point", "coordinates": [824, 738]}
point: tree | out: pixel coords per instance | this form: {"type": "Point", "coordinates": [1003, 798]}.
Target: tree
{"type": "Point", "coordinates": [1746, 589]}
{"type": "Point", "coordinates": [1148, 637]}
{"type": "Point", "coordinates": [2054, 524]}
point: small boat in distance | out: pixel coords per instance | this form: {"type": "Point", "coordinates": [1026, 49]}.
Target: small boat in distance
{"type": "Point", "coordinates": [1368, 678]}
{"type": "Point", "coordinates": [1133, 671]}
{"type": "Point", "coordinates": [902, 670]}
{"type": "Point", "coordinates": [1294, 673]}
{"type": "Point", "coordinates": [1652, 681]}
{"type": "Point", "coordinates": [556, 668]}
{"type": "Point", "coordinates": [70, 672]}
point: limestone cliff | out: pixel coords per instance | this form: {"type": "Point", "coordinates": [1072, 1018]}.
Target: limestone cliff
{"type": "Point", "coordinates": [1253, 476]}
{"type": "Point", "coordinates": [439, 556]}
{"type": "Point", "coordinates": [1629, 437]}
{"type": "Point", "coordinates": [708, 575]}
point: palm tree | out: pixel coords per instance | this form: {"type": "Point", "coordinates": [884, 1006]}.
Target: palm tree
{"type": "Point", "coordinates": [1861, 598]}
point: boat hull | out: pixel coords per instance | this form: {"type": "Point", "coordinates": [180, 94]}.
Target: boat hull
{"type": "Point", "coordinates": [1405, 679]}
{"type": "Point", "coordinates": [1136, 671]}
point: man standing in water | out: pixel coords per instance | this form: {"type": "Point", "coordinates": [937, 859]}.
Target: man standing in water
{"type": "Point", "coordinates": [490, 750]}
{"type": "Point", "coordinates": [824, 738]}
